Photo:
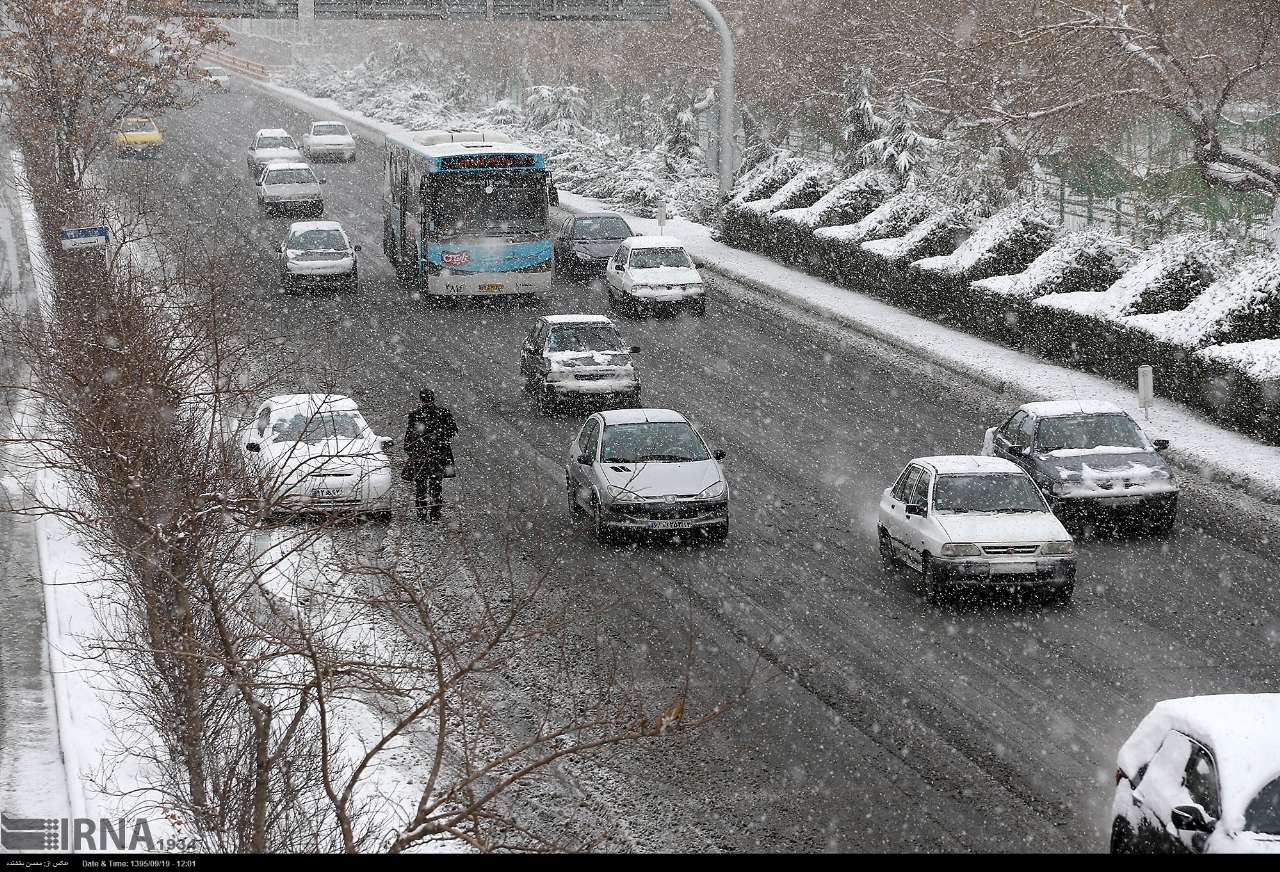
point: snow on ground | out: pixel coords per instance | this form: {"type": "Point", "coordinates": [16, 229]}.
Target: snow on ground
{"type": "Point", "coordinates": [1196, 443]}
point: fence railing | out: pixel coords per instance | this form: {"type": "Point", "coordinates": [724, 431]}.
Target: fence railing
{"type": "Point", "coordinates": [262, 72]}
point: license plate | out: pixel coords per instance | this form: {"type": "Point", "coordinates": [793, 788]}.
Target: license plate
{"type": "Point", "coordinates": [669, 525]}
{"type": "Point", "coordinates": [1012, 568]}
{"type": "Point", "coordinates": [326, 492]}
{"type": "Point", "coordinates": [492, 287]}
{"type": "Point", "coordinates": [1122, 501]}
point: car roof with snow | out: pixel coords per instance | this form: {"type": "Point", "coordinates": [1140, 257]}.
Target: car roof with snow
{"type": "Point", "coordinates": [304, 226]}
{"type": "Point", "coordinates": [271, 131]}
{"type": "Point", "coordinates": [653, 242]}
{"type": "Point", "coordinates": [959, 464]}
{"type": "Point", "coordinates": [1060, 408]}
{"type": "Point", "coordinates": [642, 416]}
{"type": "Point", "coordinates": [1241, 731]}
{"type": "Point", "coordinates": [328, 121]}
{"type": "Point", "coordinates": [582, 215]}
{"type": "Point", "coordinates": [576, 319]}
{"type": "Point", "coordinates": [314, 403]}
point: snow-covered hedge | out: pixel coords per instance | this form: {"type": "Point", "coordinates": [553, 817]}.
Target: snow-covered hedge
{"type": "Point", "coordinates": [1081, 263]}
{"type": "Point", "coordinates": [1243, 305]}
{"type": "Point", "coordinates": [937, 232]}
{"type": "Point", "coordinates": [803, 190]}
{"type": "Point", "coordinates": [1007, 241]}
{"type": "Point", "coordinates": [765, 178]}
{"type": "Point", "coordinates": [850, 200]}
{"type": "Point", "coordinates": [893, 217]}
{"type": "Point", "coordinates": [1258, 359]}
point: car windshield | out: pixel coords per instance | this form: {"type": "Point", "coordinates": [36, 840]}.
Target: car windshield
{"type": "Point", "coordinates": [1088, 432]}
{"type": "Point", "coordinates": [316, 428]}
{"type": "Point", "coordinates": [584, 337]}
{"type": "Point", "coordinates": [664, 442]}
{"type": "Point", "coordinates": [274, 142]}
{"type": "Point", "coordinates": [1263, 813]}
{"type": "Point", "coordinates": [299, 176]}
{"type": "Point", "coordinates": [1000, 492]}
{"type": "Point", "coordinates": [138, 125]}
{"type": "Point", "coordinates": [487, 202]}
{"type": "Point", "coordinates": [329, 130]}
{"type": "Point", "coordinates": [318, 240]}
{"type": "Point", "coordinates": [651, 258]}
{"type": "Point", "coordinates": [600, 228]}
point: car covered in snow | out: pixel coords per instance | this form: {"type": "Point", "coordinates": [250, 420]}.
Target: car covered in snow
{"type": "Point", "coordinates": [579, 357]}
{"type": "Point", "coordinates": [1201, 775]}
{"type": "Point", "coordinates": [318, 255]}
{"type": "Point", "coordinates": [1089, 458]}
{"type": "Point", "coordinates": [138, 135]}
{"type": "Point", "coordinates": [316, 453]}
{"type": "Point", "coordinates": [646, 471]}
{"type": "Point", "coordinates": [329, 140]}
{"type": "Point", "coordinates": [964, 521]}
{"type": "Point", "coordinates": [271, 144]}
{"type": "Point", "coordinates": [286, 186]}
{"type": "Point", "coordinates": [584, 243]}
{"type": "Point", "coordinates": [652, 272]}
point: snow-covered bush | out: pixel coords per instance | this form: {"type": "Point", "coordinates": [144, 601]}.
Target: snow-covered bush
{"type": "Point", "coordinates": [1009, 240]}
{"type": "Point", "coordinates": [1081, 263]}
{"type": "Point", "coordinates": [1242, 306]}
{"type": "Point", "coordinates": [563, 108]}
{"type": "Point", "coordinates": [850, 200]}
{"type": "Point", "coordinates": [937, 232]}
{"type": "Point", "coordinates": [893, 217]}
{"type": "Point", "coordinates": [1258, 359]}
{"type": "Point", "coordinates": [804, 189]}
{"type": "Point", "coordinates": [765, 178]}
{"type": "Point", "coordinates": [1164, 278]}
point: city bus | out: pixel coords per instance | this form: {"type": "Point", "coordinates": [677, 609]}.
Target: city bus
{"type": "Point", "coordinates": [465, 213]}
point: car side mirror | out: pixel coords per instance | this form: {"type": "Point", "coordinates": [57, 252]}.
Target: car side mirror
{"type": "Point", "coordinates": [718, 454]}
{"type": "Point", "coordinates": [917, 510]}
{"type": "Point", "coordinates": [1192, 819]}
{"type": "Point", "coordinates": [617, 267]}
{"type": "Point", "coordinates": [388, 442]}
{"type": "Point", "coordinates": [635, 349]}
{"type": "Point", "coordinates": [355, 247]}
{"type": "Point", "coordinates": [1019, 450]}
{"type": "Point", "coordinates": [1160, 444]}
{"type": "Point", "coordinates": [252, 447]}
{"type": "Point", "coordinates": [585, 459]}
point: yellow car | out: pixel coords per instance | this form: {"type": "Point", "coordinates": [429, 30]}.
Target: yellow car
{"type": "Point", "coordinates": [138, 135]}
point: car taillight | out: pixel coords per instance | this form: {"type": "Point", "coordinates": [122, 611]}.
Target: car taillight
{"type": "Point", "coordinates": [1119, 775]}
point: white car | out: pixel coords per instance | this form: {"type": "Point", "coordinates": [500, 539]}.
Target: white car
{"type": "Point", "coordinates": [318, 255]}
{"type": "Point", "coordinates": [285, 186]}
{"type": "Point", "coordinates": [315, 453]}
{"type": "Point", "coordinates": [965, 521]}
{"type": "Point", "coordinates": [646, 471]}
{"type": "Point", "coordinates": [1089, 458]}
{"type": "Point", "coordinates": [578, 357]}
{"type": "Point", "coordinates": [271, 144]}
{"type": "Point", "coordinates": [1201, 775]}
{"type": "Point", "coordinates": [651, 272]}
{"type": "Point", "coordinates": [329, 139]}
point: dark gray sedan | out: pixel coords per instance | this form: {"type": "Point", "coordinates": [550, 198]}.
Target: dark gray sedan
{"type": "Point", "coordinates": [584, 243]}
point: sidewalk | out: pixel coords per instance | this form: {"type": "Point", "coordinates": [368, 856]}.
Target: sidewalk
{"type": "Point", "coordinates": [1198, 446]}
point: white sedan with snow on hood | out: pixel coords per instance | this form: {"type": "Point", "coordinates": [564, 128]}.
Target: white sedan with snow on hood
{"type": "Point", "coordinates": [974, 522]}
{"type": "Point", "coordinates": [315, 453]}
{"type": "Point", "coordinates": [652, 272]}
{"type": "Point", "coordinates": [646, 471]}
{"type": "Point", "coordinates": [318, 255]}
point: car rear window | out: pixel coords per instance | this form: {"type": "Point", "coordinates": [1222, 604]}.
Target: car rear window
{"type": "Point", "coordinates": [329, 130]}
{"type": "Point", "coordinates": [275, 142]}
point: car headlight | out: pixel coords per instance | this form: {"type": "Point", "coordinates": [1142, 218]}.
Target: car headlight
{"type": "Point", "coordinates": [695, 288]}
{"type": "Point", "coordinates": [622, 495]}
{"type": "Point", "coordinates": [1159, 474]}
{"type": "Point", "coordinates": [715, 491]}
{"type": "Point", "coordinates": [639, 289]}
{"type": "Point", "coordinates": [1067, 547]}
{"type": "Point", "coordinates": [961, 549]}
{"type": "Point", "coordinates": [1062, 488]}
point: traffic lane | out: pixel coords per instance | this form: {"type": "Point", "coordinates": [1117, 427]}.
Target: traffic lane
{"type": "Point", "coordinates": [489, 320]}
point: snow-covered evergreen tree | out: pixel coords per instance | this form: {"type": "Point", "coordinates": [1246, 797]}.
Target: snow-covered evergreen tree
{"type": "Point", "coordinates": [901, 146]}
{"type": "Point", "coordinates": [681, 147]}
{"type": "Point", "coordinates": [562, 108]}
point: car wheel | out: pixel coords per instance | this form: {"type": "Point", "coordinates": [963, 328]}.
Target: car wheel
{"type": "Point", "coordinates": [598, 526]}
{"type": "Point", "coordinates": [576, 512]}
{"type": "Point", "coordinates": [546, 399]}
{"type": "Point", "coordinates": [719, 532]}
{"type": "Point", "coordinates": [930, 584]}
{"type": "Point", "coordinates": [1122, 837]}
{"type": "Point", "coordinates": [700, 308]}
{"type": "Point", "coordinates": [1062, 593]}
{"type": "Point", "coordinates": [888, 562]}
{"type": "Point", "coordinates": [351, 159]}
{"type": "Point", "coordinates": [613, 300]}
{"type": "Point", "coordinates": [1163, 523]}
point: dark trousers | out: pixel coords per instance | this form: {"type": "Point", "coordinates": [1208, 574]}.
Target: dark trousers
{"type": "Point", "coordinates": [426, 493]}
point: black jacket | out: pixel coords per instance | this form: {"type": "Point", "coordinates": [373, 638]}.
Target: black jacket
{"type": "Point", "coordinates": [426, 438]}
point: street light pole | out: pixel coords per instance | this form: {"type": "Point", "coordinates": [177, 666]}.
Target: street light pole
{"type": "Point", "coordinates": [727, 96]}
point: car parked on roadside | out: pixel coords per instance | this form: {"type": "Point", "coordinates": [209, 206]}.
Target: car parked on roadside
{"type": "Point", "coordinates": [316, 453]}
{"type": "Point", "coordinates": [584, 243]}
{"type": "Point", "coordinates": [646, 471]}
{"type": "Point", "coordinates": [292, 187]}
{"type": "Point", "coordinates": [329, 140]}
{"type": "Point", "coordinates": [648, 273]}
{"type": "Point", "coordinates": [318, 255]}
{"type": "Point", "coordinates": [578, 357]}
{"type": "Point", "coordinates": [1201, 775]}
{"type": "Point", "coordinates": [974, 522]}
{"type": "Point", "coordinates": [271, 144]}
{"type": "Point", "coordinates": [1089, 459]}
{"type": "Point", "coordinates": [138, 136]}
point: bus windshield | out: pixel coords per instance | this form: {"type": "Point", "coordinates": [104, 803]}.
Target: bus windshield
{"type": "Point", "coordinates": [483, 202]}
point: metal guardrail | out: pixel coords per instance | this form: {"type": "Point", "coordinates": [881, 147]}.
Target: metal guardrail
{"type": "Point", "coordinates": [498, 10]}
{"type": "Point", "coordinates": [262, 72]}
{"type": "Point", "coordinates": [246, 8]}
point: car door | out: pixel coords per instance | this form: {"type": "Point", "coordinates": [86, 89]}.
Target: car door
{"type": "Point", "coordinates": [613, 272]}
{"type": "Point", "coordinates": [1006, 435]}
{"type": "Point", "coordinates": [893, 505]}
{"type": "Point", "coordinates": [1179, 774]}
{"type": "Point", "coordinates": [528, 350]}
{"type": "Point", "coordinates": [563, 235]}
{"type": "Point", "coordinates": [916, 536]}
{"type": "Point", "coordinates": [583, 474]}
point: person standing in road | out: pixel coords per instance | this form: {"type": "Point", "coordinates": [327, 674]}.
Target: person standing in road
{"type": "Point", "coordinates": [426, 441]}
